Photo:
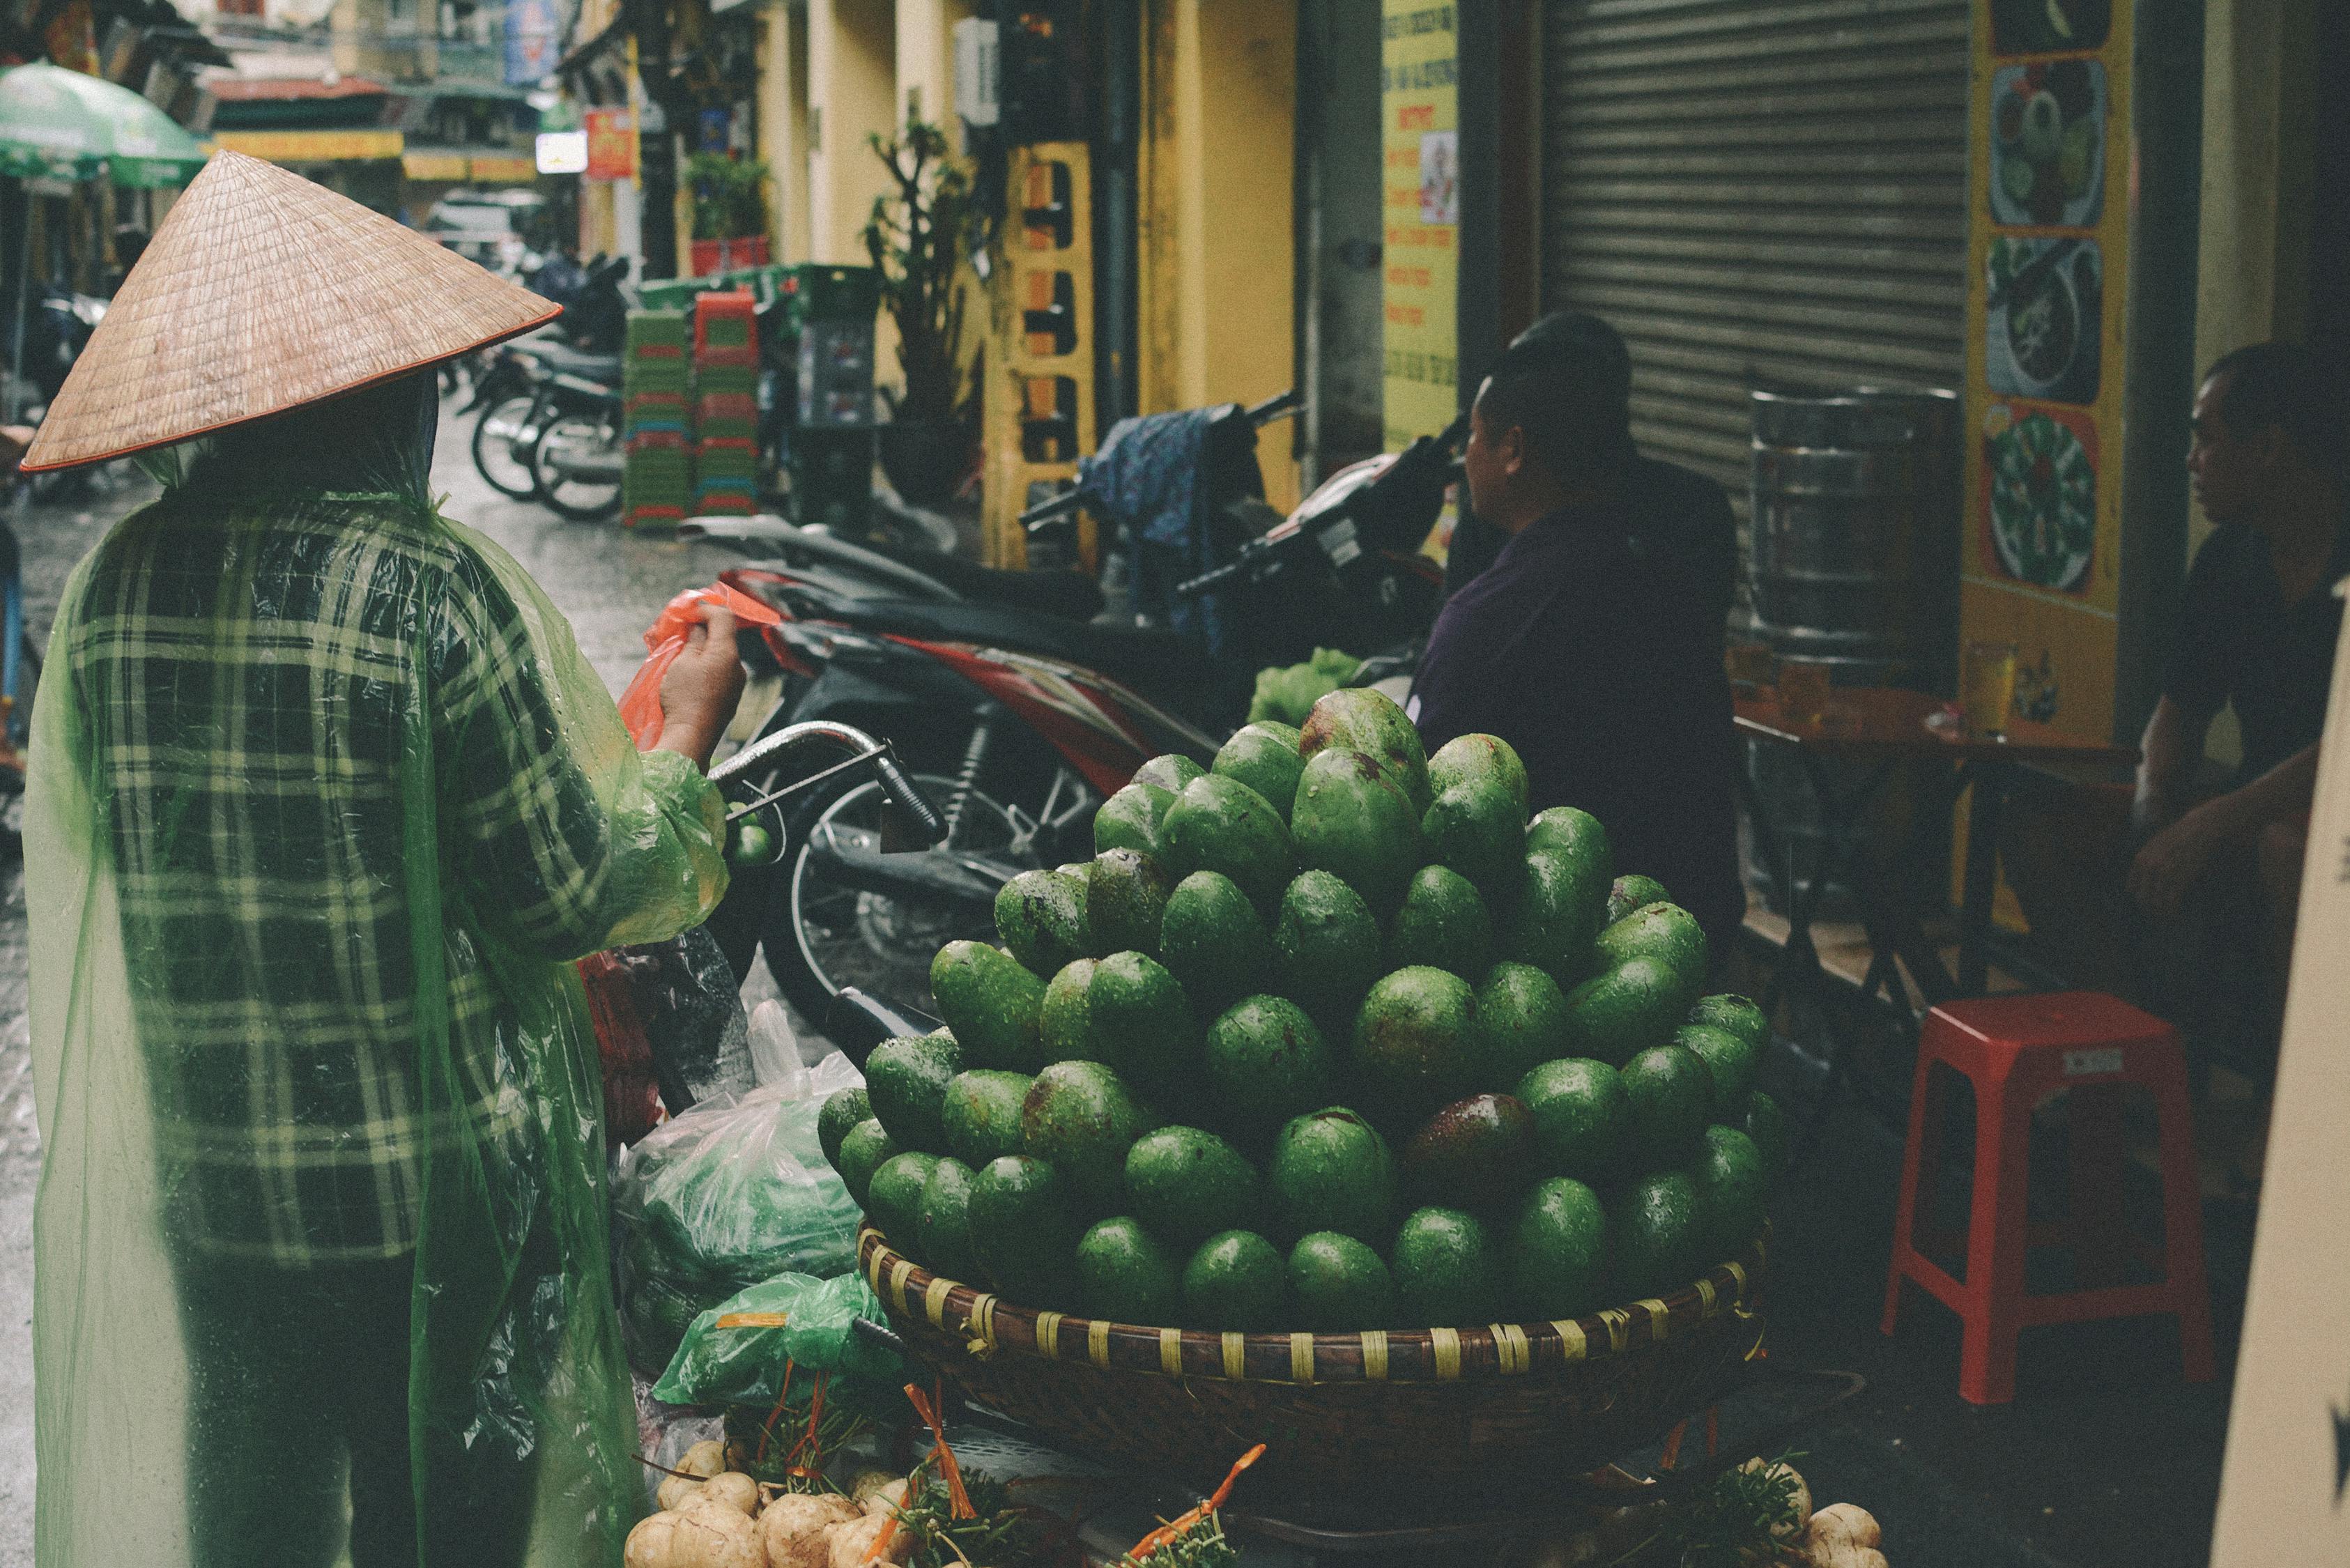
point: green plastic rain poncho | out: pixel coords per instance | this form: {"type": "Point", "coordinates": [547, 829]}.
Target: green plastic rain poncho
{"type": "Point", "coordinates": [322, 796]}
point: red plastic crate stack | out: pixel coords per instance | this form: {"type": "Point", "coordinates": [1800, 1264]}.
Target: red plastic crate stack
{"type": "Point", "coordinates": [726, 407]}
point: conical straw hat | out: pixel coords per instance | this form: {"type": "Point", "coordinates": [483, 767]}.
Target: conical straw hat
{"type": "Point", "coordinates": [260, 291]}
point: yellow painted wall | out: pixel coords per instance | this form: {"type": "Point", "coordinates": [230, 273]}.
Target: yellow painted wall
{"type": "Point", "coordinates": [2252, 268]}
{"type": "Point", "coordinates": [926, 58]}
{"type": "Point", "coordinates": [852, 94]}
{"type": "Point", "coordinates": [1215, 229]}
{"type": "Point", "coordinates": [783, 127]}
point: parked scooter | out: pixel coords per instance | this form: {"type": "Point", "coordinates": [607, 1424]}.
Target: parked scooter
{"type": "Point", "coordinates": [1020, 722]}
{"type": "Point", "coordinates": [509, 388]}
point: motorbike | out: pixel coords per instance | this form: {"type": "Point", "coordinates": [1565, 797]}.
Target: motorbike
{"type": "Point", "coordinates": [1020, 722]}
{"type": "Point", "coordinates": [511, 390]}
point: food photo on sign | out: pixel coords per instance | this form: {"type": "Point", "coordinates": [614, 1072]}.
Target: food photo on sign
{"type": "Point", "coordinates": [2041, 495]}
{"type": "Point", "coordinates": [2043, 318]}
{"type": "Point", "coordinates": [2048, 144]}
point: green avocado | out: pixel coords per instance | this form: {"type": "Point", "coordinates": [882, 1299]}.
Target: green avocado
{"type": "Point", "coordinates": [1169, 770]}
{"type": "Point", "coordinates": [942, 1222]}
{"type": "Point", "coordinates": [842, 1109]}
{"type": "Point", "coordinates": [1482, 761]}
{"type": "Point", "coordinates": [1041, 916]}
{"type": "Point", "coordinates": [906, 1079]}
{"type": "Point", "coordinates": [1331, 1170]}
{"type": "Point", "coordinates": [1325, 948]}
{"type": "Point", "coordinates": [1080, 1116]}
{"type": "Point", "coordinates": [1658, 1233]}
{"type": "Point", "coordinates": [1560, 905]}
{"type": "Point", "coordinates": [1131, 818]}
{"type": "Point", "coordinates": [893, 1200]}
{"type": "Point", "coordinates": [1634, 893]}
{"type": "Point", "coordinates": [1733, 1191]}
{"type": "Point", "coordinates": [1558, 1252]}
{"type": "Point", "coordinates": [1125, 897]}
{"type": "Point", "coordinates": [1353, 821]}
{"type": "Point", "coordinates": [1729, 1061]}
{"type": "Point", "coordinates": [1663, 932]}
{"type": "Point", "coordinates": [1267, 1061]}
{"type": "Point", "coordinates": [1065, 1021]}
{"type": "Point", "coordinates": [1234, 1283]}
{"type": "Point", "coordinates": [1024, 1230]}
{"type": "Point", "coordinates": [1442, 924]}
{"type": "Point", "coordinates": [864, 1150]}
{"type": "Point", "coordinates": [1667, 1096]}
{"type": "Point", "coordinates": [1446, 1270]}
{"type": "Point", "coordinates": [1143, 1025]}
{"type": "Point", "coordinates": [1213, 940]}
{"type": "Point", "coordinates": [1259, 756]}
{"type": "Point", "coordinates": [1572, 835]}
{"type": "Point", "coordinates": [990, 1004]}
{"type": "Point", "coordinates": [1473, 1154]}
{"type": "Point", "coordinates": [1124, 1275]}
{"type": "Point", "coordinates": [1476, 818]}
{"type": "Point", "coordinates": [1580, 1110]}
{"type": "Point", "coordinates": [1187, 1184]}
{"type": "Point", "coordinates": [1416, 1041]}
{"type": "Point", "coordinates": [1338, 1284]}
{"type": "Point", "coordinates": [1736, 1015]}
{"type": "Point", "coordinates": [981, 1114]}
{"type": "Point", "coordinates": [1620, 1011]}
{"type": "Point", "coordinates": [1520, 1023]}
{"type": "Point", "coordinates": [1218, 824]}
{"type": "Point", "coordinates": [1358, 719]}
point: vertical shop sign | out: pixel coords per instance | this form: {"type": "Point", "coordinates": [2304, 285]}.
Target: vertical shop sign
{"type": "Point", "coordinates": [1419, 102]}
{"type": "Point", "coordinates": [611, 144]}
{"type": "Point", "coordinates": [2049, 237]}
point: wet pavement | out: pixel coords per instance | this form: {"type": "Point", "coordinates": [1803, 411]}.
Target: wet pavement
{"type": "Point", "coordinates": [609, 582]}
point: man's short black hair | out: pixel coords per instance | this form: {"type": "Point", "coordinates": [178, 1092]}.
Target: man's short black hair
{"type": "Point", "coordinates": [2286, 386]}
{"type": "Point", "coordinates": [1567, 382]}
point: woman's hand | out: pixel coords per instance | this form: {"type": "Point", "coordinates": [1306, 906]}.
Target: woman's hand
{"type": "Point", "coordinates": [701, 689]}
{"type": "Point", "coordinates": [2171, 862]}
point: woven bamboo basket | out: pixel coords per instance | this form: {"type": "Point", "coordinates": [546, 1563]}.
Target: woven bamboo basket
{"type": "Point", "coordinates": [1467, 1409]}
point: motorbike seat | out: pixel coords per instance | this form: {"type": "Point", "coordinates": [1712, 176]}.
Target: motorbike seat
{"type": "Point", "coordinates": [1150, 660]}
{"type": "Point", "coordinates": [1071, 595]}
{"type": "Point", "coordinates": [566, 360]}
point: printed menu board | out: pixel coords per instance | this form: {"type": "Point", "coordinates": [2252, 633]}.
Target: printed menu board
{"type": "Point", "coordinates": [1420, 58]}
{"type": "Point", "coordinates": [2049, 226]}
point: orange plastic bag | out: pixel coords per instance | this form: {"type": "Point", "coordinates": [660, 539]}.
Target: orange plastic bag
{"type": "Point", "coordinates": [640, 707]}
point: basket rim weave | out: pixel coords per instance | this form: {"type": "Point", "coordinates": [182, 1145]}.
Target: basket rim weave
{"type": "Point", "coordinates": [952, 1309]}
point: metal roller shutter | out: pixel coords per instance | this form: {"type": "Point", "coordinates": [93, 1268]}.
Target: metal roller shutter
{"type": "Point", "coordinates": [1759, 193]}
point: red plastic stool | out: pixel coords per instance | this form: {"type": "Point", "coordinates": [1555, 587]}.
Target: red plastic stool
{"type": "Point", "coordinates": [2018, 1051]}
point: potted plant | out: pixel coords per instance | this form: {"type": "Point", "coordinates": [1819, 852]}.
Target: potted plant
{"type": "Point", "coordinates": [918, 237]}
{"type": "Point", "coordinates": [730, 211]}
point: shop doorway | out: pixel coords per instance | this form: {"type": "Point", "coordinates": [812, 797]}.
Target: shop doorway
{"type": "Point", "coordinates": [1341, 363]}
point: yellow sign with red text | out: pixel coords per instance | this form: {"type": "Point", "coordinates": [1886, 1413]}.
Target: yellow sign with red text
{"type": "Point", "coordinates": [1419, 108]}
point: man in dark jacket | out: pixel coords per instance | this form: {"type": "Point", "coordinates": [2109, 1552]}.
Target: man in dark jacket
{"type": "Point", "coordinates": [1592, 643]}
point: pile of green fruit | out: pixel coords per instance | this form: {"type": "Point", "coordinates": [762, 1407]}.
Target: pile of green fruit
{"type": "Point", "coordinates": [1329, 1038]}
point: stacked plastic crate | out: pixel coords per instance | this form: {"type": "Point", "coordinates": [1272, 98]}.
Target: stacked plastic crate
{"type": "Point", "coordinates": [656, 380]}
{"type": "Point", "coordinates": [726, 403]}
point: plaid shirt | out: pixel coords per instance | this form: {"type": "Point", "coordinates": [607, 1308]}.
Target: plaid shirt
{"type": "Point", "coordinates": [249, 681]}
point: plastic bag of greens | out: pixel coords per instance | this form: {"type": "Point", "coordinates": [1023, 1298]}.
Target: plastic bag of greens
{"type": "Point", "coordinates": [735, 1191]}
{"type": "Point", "coordinates": [1287, 694]}
{"type": "Point", "coordinates": [790, 1320]}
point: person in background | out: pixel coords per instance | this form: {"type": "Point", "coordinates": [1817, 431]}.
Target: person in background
{"type": "Point", "coordinates": [2256, 634]}
{"type": "Point", "coordinates": [323, 798]}
{"type": "Point", "coordinates": [1592, 643]}
{"type": "Point", "coordinates": [1683, 509]}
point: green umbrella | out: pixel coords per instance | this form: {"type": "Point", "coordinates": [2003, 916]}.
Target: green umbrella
{"type": "Point", "coordinates": [59, 124]}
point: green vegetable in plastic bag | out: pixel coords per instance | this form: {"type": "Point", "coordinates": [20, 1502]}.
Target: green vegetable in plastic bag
{"type": "Point", "coordinates": [1288, 694]}
{"type": "Point", "coordinates": [734, 1192]}
{"type": "Point", "coordinates": [745, 1366]}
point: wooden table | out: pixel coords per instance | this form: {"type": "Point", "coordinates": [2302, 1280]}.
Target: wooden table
{"type": "Point", "coordinates": [1884, 729]}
